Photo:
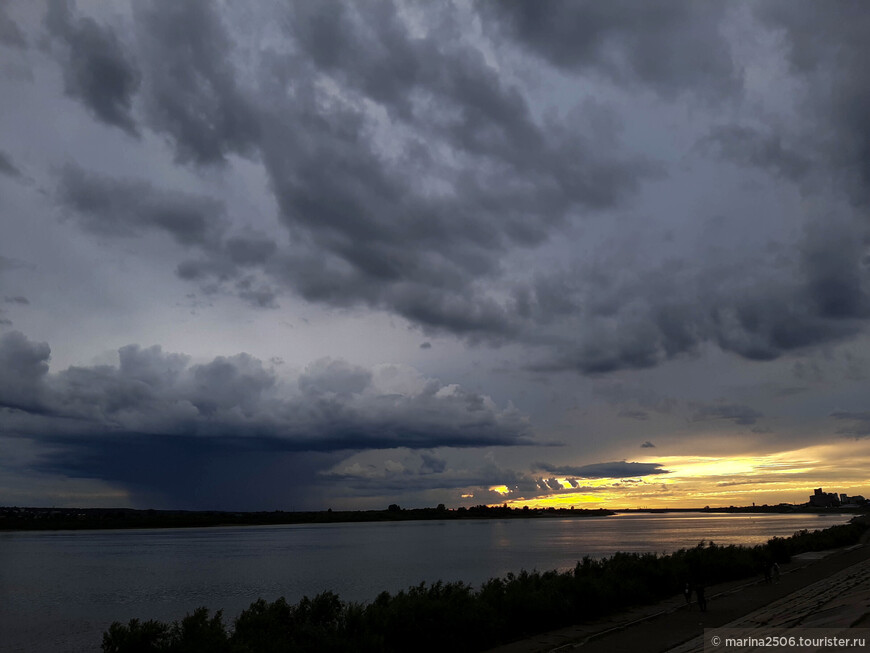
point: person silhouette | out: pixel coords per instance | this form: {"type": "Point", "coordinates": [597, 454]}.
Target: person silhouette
{"type": "Point", "coordinates": [702, 600]}
{"type": "Point", "coordinates": [687, 593]}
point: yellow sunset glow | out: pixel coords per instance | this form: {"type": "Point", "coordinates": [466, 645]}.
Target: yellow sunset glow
{"type": "Point", "coordinates": [696, 481]}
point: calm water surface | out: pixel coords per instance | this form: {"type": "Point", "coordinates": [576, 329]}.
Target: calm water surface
{"type": "Point", "coordinates": [59, 590]}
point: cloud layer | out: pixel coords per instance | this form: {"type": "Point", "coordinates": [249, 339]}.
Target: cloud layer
{"type": "Point", "coordinates": [406, 166]}
{"type": "Point", "coordinates": [240, 402]}
{"type": "Point", "coordinates": [546, 205]}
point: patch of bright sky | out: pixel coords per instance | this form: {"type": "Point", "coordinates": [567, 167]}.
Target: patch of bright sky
{"type": "Point", "coordinates": [694, 481]}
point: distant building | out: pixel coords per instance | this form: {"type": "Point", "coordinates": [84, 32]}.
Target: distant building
{"type": "Point", "coordinates": [820, 499]}
{"type": "Point", "coordinates": [852, 502]}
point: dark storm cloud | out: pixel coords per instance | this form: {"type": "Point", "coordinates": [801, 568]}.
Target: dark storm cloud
{"type": "Point", "coordinates": [825, 147]}
{"type": "Point", "coordinates": [829, 49]}
{"type": "Point", "coordinates": [18, 299]}
{"type": "Point", "coordinates": [391, 243]}
{"type": "Point", "coordinates": [489, 483]}
{"type": "Point", "coordinates": [10, 34]}
{"type": "Point", "coordinates": [96, 68]}
{"type": "Point", "coordinates": [228, 433]}
{"type": "Point", "coordinates": [192, 473]}
{"type": "Point", "coordinates": [7, 167]}
{"type": "Point", "coordinates": [619, 392]}
{"type": "Point", "coordinates": [763, 327]}
{"type": "Point", "coordinates": [124, 208]}
{"type": "Point", "coordinates": [411, 224]}
{"type": "Point", "coordinates": [23, 368]}
{"type": "Point", "coordinates": [372, 480]}
{"type": "Point", "coordinates": [669, 312]}
{"type": "Point", "coordinates": [230, 258]}
{"type": "Point", "coordinates": [652, 319]}
{"type": "Point", "coordinates": [190, 86]}
{"type": "Point", "coordinates": [621, 469]}
{"type": "Point", "coordinates": [670, 46]}
{"type": "Point", "coordinates": [837, 277]}
{"type": "Point", "coordinates": [750, 147]}
{"type": "Point", "coordinates": [858, 424]}
{"type": "Point", "coordinates": [432, 464]}
{"type": "Point", "coordinates": [127, 207]}
{"type": "Point", "coordinates": [633, 322]}
{"type": "Point", "coordinates": [743, 415]}
{"type": "Point", "coordinates": [334, 376]}
{"type": "Point", "coordinates": [407, 165]}
{"type": "Point", "coordinates": [216, 273]}
{"type": "Point", "coordinates": [239, 402]}
{"type": "Point", "coordinates": [249, 250]}
{"type": "Point", "coordinates": [647, 445]}
{"type": "Point", "coordinates": [640, 415]}
{"type": "Point", "coordinates": [261, 296]}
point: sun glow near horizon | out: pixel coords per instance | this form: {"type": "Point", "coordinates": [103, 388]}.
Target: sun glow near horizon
{"type": "Point", "coordinates": [698, 481]}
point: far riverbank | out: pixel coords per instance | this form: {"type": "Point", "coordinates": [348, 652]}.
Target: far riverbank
{"type": "Point", "coordinates": [18, 519]}
{"type": "Point", "coordinates": [13, 518]}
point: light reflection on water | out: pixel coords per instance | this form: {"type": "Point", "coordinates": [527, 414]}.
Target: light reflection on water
{"type": "Point", "coordinates": [59, 590]}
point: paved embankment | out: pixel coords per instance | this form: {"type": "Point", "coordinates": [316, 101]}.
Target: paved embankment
{"type": "Point", "coordinates": [815, 590]}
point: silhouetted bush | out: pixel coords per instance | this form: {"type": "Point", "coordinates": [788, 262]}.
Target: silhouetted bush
{"type": "Point", "coordinates": [455, 617]}
{"type": "Point", "coordinates": [830, 538]}
{"type": "Point", "coordinates": [136, 637]}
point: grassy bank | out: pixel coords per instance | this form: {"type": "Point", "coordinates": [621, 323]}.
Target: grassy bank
{"type": "Point", "coordinates": [457, 617]}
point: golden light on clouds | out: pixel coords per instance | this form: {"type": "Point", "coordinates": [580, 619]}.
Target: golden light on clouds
{"type": "Point", "coordinates": [697, 481]}
{"type": "Point", "coordinates": [568, 500]}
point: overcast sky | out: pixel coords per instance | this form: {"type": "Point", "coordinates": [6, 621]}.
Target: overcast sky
{"type": "Point", "coordinates": [303, 255]}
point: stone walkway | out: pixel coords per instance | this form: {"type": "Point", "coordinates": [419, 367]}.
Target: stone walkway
{"type": "Point", "coordinates": [841, 601]}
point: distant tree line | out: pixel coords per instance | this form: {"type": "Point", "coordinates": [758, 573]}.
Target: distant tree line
{"type": "Point", "coordinates": [15, 518]}
{"type": "Point", "coordinates": [456, 617]}
{"type": "Point", "coordinates": [100, 518]}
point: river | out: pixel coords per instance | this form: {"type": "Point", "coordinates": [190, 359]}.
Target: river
{"type": "Point", "coordinates": [59, 590]}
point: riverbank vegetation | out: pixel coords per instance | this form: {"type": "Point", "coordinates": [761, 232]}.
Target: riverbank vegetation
{"type": "Point", "coordinates": [458, 617]}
